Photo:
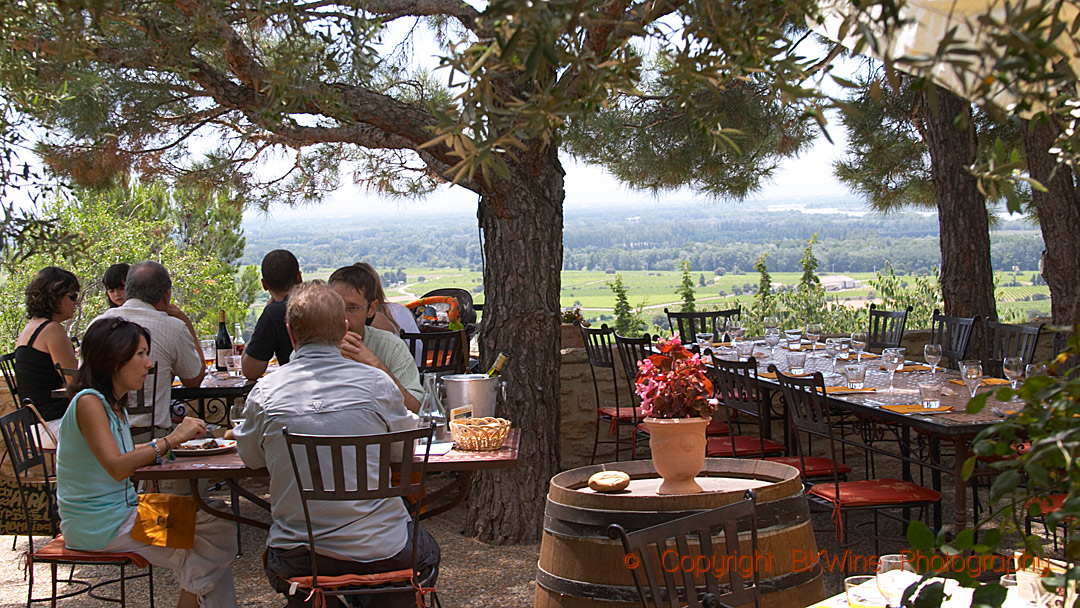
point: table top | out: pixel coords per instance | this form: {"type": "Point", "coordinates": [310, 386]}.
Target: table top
{"type": "Point", "coordinates": [231, 386]}
{"type": "Point", "coordinates": [230, 465]}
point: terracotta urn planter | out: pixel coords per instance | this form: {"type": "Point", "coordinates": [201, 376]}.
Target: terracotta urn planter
{"type": "Point", "coordinates": [571, 336]}
{"type": "Point", "coordinates": [678, 452]}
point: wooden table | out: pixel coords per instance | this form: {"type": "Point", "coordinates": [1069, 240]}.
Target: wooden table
{"type": "Point", "coordinates": [232, 469]}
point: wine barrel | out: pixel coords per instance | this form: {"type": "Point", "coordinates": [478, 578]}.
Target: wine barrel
{"type": "Point", "coordinates": [580, 566]}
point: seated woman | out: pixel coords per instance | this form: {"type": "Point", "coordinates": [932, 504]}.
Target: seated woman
{"type": "Point", "coordinates": [50, 300]}
{"type": "Point", "coordinates": [96, 458]}
{"type": "Point", "coordinates": [115, 281]}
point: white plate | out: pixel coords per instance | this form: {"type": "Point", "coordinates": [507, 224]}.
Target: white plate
{"type": "Point", "coordinates": [189, 448]}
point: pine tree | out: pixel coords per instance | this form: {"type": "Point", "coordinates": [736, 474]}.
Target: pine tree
{"type": "Point", "coordinates": [624, 318]}
{"type": "Point", "coordinates": [809, 264]}
{"type": "Point", "coordinates": [686, 288]}
{"type": "Point", "coordinates": [764, 293]}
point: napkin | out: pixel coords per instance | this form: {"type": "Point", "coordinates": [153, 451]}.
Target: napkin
{"type": "Point", "coordinates": [908, 367]}
{"type": "Point", "coordinates": [985, 382]}
{"type": "Point", "coordinates": [865, 355]}
{"type": "Point", "coordinates": [915, 408]}
{"type": "Point", "coordinates": [843, 390]}
{"type": "Point", "coordinates": [772, 376]}
{"type": "Point", "coordinates": [721, 344]}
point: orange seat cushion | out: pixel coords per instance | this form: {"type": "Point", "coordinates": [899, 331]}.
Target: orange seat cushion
{"type": "Point", "coordinates": [1050, 504]}
{"type": "Point", "coordinates": [875, 492]}
{"type": "Point", "coordinates": [57, 551]}
{"type": "Point", "coordinates": [815, 466]}
{"type": "Point", "coordinates": [623, 414]}
{"type": "Point", "coordinates": [721, 447]}
{"type": "Point", "coordinates": [717, 427]}
{"type": "Point", "coordinates": [346, 580]}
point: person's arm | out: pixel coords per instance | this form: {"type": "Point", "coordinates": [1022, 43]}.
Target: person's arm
{"type": "Point", "coordinates": [58, 343]}
{"type": "Point", "coordinates": [353, 347]}
{"type": "Point", "coordinates": [174, 311]}
{"type": "Point", "coordinates": [253, 368]}
{"type": "Point", "coordinates": [94, 425]}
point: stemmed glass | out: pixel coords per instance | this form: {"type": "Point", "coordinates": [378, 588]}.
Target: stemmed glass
{"type": "Point", "coordinates": [704, 341]}
{"type": "Point", "coordinates": [891, 580]}
{"type": "Point", "coordinates": [832, 349]}
{"type": "Point", "coordinates": [772, 338]}
{"type": "Point", "coordinates": [891, 358]}
{"type": "Point", "coordinates": [972, 373]}
{"type": "Point", "coordinates": [770, 322]}
{"type": "Point", "coordinates": [1014, 371]}
{"type": "Point", "coordinates": [813, 332]}
{"type": "Point", "coordinates": [236, 414]}
{"type": "Point", "coordinates": [932, 354]}
{"type": "Point", "coordinates": [858, 343]}
{"type": "Point", "coordinates": [735, 330]}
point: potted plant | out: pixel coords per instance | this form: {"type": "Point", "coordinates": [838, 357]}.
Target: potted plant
{"type": "Point", "coordinates": [571, 335]}
{"type": "Point", "coordinates": [677, 401]}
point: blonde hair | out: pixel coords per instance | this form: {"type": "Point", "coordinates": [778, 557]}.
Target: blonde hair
{"type": "Point", "coordinates": [316, 314]}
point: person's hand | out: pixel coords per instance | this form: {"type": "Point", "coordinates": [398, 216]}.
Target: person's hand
{"type": "Point", "coordinates": [190, 428]}
{"type": "Point", "coordinates": [174, 311]}
{"type": "Point", "coordinates": [353, 347]}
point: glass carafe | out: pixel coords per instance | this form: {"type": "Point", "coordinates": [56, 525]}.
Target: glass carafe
{"type": "Point", "coordinates": [432, 409]}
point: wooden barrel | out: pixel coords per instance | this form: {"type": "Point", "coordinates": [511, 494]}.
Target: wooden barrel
{"type": "Point", "coordinates": [580, 566]}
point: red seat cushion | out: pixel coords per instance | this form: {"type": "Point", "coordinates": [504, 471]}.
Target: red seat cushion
{"type": "Point", "coordinates": [717, 427]}
{"type": "Point", "coordinates": [1050, 504]}
{"type": "Point", "coordinates": [57, 551]}
{"type": "Point", "coordinates": [815, 466]}
{"type": "Point", "coordinates": [345, 580]}
{"type": "Point", "coordinates": [624, 414]}
{"type": "Point", "coordinates": [875, 492]}
{"type": "Point", "coordinates": [720, 447]}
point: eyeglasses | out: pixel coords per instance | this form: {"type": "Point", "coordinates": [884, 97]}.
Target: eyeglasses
{"type": "Point", "coordinates": [355, 309]}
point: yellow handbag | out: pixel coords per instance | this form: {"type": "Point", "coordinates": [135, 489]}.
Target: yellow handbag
{"type": "Point", "coordinates": [165, 520]}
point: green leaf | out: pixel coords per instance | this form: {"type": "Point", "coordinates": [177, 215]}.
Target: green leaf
{"type": "Point", "coordinates": [977, 403]}
{"type": "Point", "coordinates": [968, 468]}
{"type": "Point", "coordinates": [931, 595]}
{"type": "Point", "coordinates": [920, 536]}
{"type": "Point", "coordinates": [988, 596]}
{"type": "Point", "coordinates": [1004, 484]}
{"type": "Point", "coordinates": [965, 539]}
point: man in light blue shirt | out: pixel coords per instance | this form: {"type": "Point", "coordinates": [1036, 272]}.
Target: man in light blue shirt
{"type": "Point", "coordinates": [322, 393]}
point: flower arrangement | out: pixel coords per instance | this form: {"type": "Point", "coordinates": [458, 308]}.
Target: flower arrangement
{"type": "Point", "coordinates": [573, 315]}
{"type": "Point", "coordinates": [673, 383]}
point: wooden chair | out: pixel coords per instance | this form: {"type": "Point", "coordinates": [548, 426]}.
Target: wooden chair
{"type": "Point", "coordinates": [736, 386]}
{"type": "Point", "coordinates": [322, 458]}
{"type": "Point", "coordinates": [600, 349]}
{"type": "Point", "coordinates": [441, 351]}
{"type": "Point", "coordinates": [688, 324]}
{"type": "Point", "coordinates": [631, 351]}
{"type": "Point", "coordinates": [886, 327]}
{"type": "Point", "coordinates": [809, 412]}
{"type": "Point", "coordinates": [30, 466]}
{"type": "Point", "coordinates": [1004, 340]}
{"type": "Point", "coordinates": [953, 334]}
{"type": "Point", "coordinates": [660, 587]}
{"type": "Point", "coordinates": [7, 366]}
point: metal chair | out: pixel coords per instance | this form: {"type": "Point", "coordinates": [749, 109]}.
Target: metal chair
{"type": "Point", "coordinates": [139, 405]}
{"type": "Point", "coordinates": [631, 351]}
{"type": "Point", "coordinates": [735, 384]}
{"type": "Point", "coordinates": [660, 587]}
{"type": "Point", "coordinates": [600, 348]}
{"type": "Point", "coordinates": [953, 334]}
{"type": "Point", "coordinates": [1005, 340]}
{"type": "Point", "coordinates": [688, 324]}
{"type": "Point", "coordinates": [441, 351]}
{"type": "Point", "coordinates": [809, 412]}
{"type": "Point", "coordinates": [886, 327]}
{"type": "Point", "coordinates": [7, 366]}
{"type": "Point", "coordinates": [30, 465]}
{"type": "Point", "coordinates": [322, 459]}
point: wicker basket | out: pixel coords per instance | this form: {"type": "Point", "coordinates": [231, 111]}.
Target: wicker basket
{"type": "Point", "coordinates": [479, 434]}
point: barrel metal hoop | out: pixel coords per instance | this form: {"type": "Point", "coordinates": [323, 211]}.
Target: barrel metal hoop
{"type": "Point", "coordinates": [622, 593]}
{"type": "Point", "coordinates": [565, 520]}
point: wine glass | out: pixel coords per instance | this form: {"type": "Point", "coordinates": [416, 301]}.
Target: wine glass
{"type": "Point", "coordinates": [891, 578]}
{"type": "Point", "coordinates": [858, 343]}
{"type": "Point", "coordinates": [770, 322]}
{"type": "Point", "coordinates": [813, 332]}
{"type": "Point", "coordinates": [704, 341]}
{"type": "Point", "coordinates": [932, 354]}
{"type": "Point", "coordinates": [236, 414]}
{"type": "Point", "coordinates": [972, 372]}
{"type": "Point", "coordinates": [735, 330]}
{"type": "Point", "coordinates": [772, 338]}
{"type": "Point", "coordinates": [1014, 371]}
{"type": "Point", "coordinates": [891, 358]}
{"type": "Point", "coordinates": [832, 349]}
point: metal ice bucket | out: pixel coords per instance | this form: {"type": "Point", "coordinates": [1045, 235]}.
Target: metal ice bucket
{"type": "Point", "coordinates": [480, 390]}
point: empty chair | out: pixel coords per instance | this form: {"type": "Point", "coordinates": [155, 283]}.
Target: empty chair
{"type": "Point", "coordinates": [631, 351]}
{"type": "Point", "coordinates": [440, 351]}
{"type": "Point", "coordinates": [690, 323]}
{"type": "Point", "coordinates": [660, 586]}
{"type": "Point", "coordinates": [737, 388]}
{"type": "Point", "coordinates": [140, 406]}
{"type": "Point", "coordinates": [600, 348]}
{"type": "Point", "coordinates": [886, 327]}
{"type": "Point", "coordinates": [7, 366]}
{"type": "Point", "coordinates": [1004, 340]}
{"type": "Point", "coordinates": [953, 334]}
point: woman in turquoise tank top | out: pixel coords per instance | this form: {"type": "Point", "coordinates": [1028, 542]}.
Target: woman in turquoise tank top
{"type": "Point", "coordinates": [96, 458]}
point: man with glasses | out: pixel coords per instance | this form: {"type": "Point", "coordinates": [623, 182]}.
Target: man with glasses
{"type": "Point", "coordinates": [371, 346]}
{"type": "Point", "coordinates": [173, 345]}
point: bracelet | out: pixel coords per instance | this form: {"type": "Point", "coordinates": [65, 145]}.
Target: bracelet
{"type": "Point", "coordinates": [157, 454]}
{"type": "Point", "coordinates": [168, 449]}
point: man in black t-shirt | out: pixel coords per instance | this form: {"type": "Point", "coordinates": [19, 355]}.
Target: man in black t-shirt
{"type": "Point", "coordinates": [280, 272]}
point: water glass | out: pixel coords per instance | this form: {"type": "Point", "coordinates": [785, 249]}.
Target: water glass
{"type": "Point", "coordinates": [744, 348]}
{"type": "Point", "coordinates": [1014, 371]}
{"type": "Point", "coordinates": [858, 343]}
{"type": "Point", "coordinates": [844, 346]}
{"type": "Point", "coordinates": [930, 393]}
{"type": "Point", "coordinates": [796, 361]}
{"type": "Point", "coordinates": [1035, 369]}
{"type": "Point", "coordinates": [971, 372]}
{"type": "Point", "coordinates": [770, 322]}
{"type": "Point", "coordinates": [903, 357]}
{"type": "Point", "coordinates": [832, 348]}
{"type": "Point", "coordinates": [813, 332]}
{"type": "Point", "coordinates": [236, 414]}
{"type": "Point", "coordinates": [232, 363]}
{"type": "Point", "coordinates": [856, 375]}
{"type": "Point", "coordinates": [704, 340]}
{"type": "Point", "coordinates": [862, 592]}
{"type": "Point", "coordinates": [794, 342]}
{"type": "Point", "coordinates": [932, 354]}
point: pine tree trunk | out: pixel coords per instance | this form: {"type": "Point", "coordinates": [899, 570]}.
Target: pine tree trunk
{"type": "Point", "coordinates": [1059, 218]}
{"type": "Point", "coordinates": [522, 221]}
{"type": "Point", "coordinates": [967, 278]}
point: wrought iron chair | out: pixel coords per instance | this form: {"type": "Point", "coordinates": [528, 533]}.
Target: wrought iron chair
{"type": "Point", "coordinates": [810, 414]}
{"type": "Point", "coordinates": [631, 351]}
{"type": "Point", "coordinates": [441, 351]}
{"type": "Point", "coordinates": [886, 327]}
{"type": "Point", "coordinates": [7, 366]}
{"type": "Point", "coordinates": [322, 460]}
{"type": "Point", "coordinates": [660, 587]}
{"type": "Point", "coordinates": [1004, 340]}
{"type": "Point", "coordinates": [688, 324]}
{"type": "Point", "coordinates": [600, 348]}
{"type": "Point", "coordinates": [140, 406]}
{"type": "Point", "coordinates": [735, 385]}
{"type": "Point", "coordinates": [31, 467]}
{"type": "Point", "coordinates": [953, 334]}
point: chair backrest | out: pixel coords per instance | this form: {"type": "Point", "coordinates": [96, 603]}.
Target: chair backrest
{"type": "Point", "coordinates": [440, 351]}
{"type": "Point", "coordinates": [140, 405]}
{"type": "Point", "coordinates": [1006, 340]}
{"type": "Point", "coordinates": [600, 348]}
{"type": "Point", "coordinates": [736, 386]}
{"type": "Point", "coordinates": [319, 464]}
{"type": "Point", "coordinates": [632, 350]}
{"type": "Point", "coordinates": [28, 460]}
{"type": "Point", "coordinates": [886, 327]}
{"type": "Point", "coordinates": [808, 410]}
{"type": "Point", "coordinates": [659, 586]}
{"type": "Point", "coordinates": [466, 308]}
{"type": "Point", "coordinates": [690, 323]}
{"type": "Point", "coordinates": [7, 366]}
{"type": "Point", "coordinates": [953, 334]}
{"type": "Point", "coordinates": [66, 372]}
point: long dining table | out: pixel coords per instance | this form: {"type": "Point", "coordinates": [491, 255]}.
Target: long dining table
{"type": "Point", "coordinates": [230, 468]}
{"type": "Point", "coordinates": [950, 423]}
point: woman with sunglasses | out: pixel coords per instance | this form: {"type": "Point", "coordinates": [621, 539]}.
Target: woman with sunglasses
{"type": "Point", "coordinates": [96, 458]}
{"type": "Point", "coordinates": [51, 297]}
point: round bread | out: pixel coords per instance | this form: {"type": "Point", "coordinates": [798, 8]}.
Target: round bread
{"type": "Point", "coordinates": [609, 481]}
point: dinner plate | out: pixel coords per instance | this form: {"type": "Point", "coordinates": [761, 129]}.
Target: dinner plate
{"type": "Point", "coordinates": [189, 448]}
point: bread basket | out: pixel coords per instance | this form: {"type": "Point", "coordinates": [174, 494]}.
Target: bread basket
{"type": "Point", "coordinates": [479, 434]}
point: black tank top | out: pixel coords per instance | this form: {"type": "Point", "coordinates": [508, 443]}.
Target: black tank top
{"type": "Point", "coordinates": [36, 378]}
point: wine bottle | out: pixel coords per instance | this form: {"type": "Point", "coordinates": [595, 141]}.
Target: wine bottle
{"type": "Point", "coordinates": [238, 341]}
{"type": "Point", "coordinates": [496, 368]}
{"type": "Point", "coordinates": [222, 343]}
